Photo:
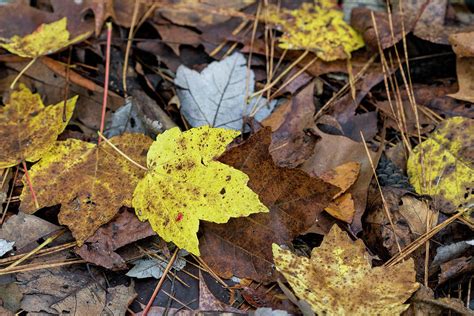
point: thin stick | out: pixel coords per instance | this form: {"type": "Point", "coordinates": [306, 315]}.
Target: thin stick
{"type": "Point", "coordinates": [12, 86]}
{"type": "Point", "coordinates": [160, 283]}
{"type": "Point", "coordinates": [30, 185]}
{"type": "Point", "coordinates": [5, 210]}
{"type": "Point", "coordinates": [120, 152]}
{"type": "Point", "coordinates": [422, 239]}
{"type": "Point", "coordinates": [32, 252]}
{"type": "Point", "coordinates": [66, 88]}
{"type": "Point", "coordinates": [44, 265]}
{"type": "Point", "coordinates": [283, 74]}
{"type": "Point", "coordinates": [107, 72]}
{"type": "Point", "coordinates": [42, 252]}
{"type": "Point", "coordinates": [129, 45]}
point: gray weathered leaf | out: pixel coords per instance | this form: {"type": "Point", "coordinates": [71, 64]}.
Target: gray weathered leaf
{"type": "Point", "coordinates": [217, 96]}
{"type": "Point", "coordinates": [5, 246]}
{"type": "Point", "coordinates": [125, 119]}
{"type": "Point", "coordinates": [153, 268]}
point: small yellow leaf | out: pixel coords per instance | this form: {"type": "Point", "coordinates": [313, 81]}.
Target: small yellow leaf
{"type": "Point", "coordinates": [443, 166]}
{"type": "Point", "coordinates": [185, 184]}
{"type": "Point", "coordinates": [316, 27]}
{"type": "Point", "coordinates": [338, 278]}
{"type": "Point", "coordinates": [46, 39]}
{"type": "Point", "coordinates": [90, 182]}
{"type": "Point", "coordinates": [342, 208]}
{"type": "Point", "coordinates": [342, 176]}
{"type": "Point", "coordinates": [27, 128]}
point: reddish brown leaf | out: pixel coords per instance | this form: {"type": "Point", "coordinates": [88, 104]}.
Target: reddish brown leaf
{"type": "Point", "coordinates": [243, 246]}
{"type": "Point", "coordinates": [124, 229]}
{"type": "Point", "coordinates": [290, 144]}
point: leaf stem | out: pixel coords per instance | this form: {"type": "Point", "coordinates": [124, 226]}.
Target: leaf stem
{"type": "Point", "coordinates": [30, 185]}
{"type": "Point", "coordinates": [101, 136]}
{"type": "Point", "coordinates": [12, 86]}
{"type": "Point", "coordinates": [107, 74]}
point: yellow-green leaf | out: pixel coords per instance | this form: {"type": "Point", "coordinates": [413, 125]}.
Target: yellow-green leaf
{"type": "Point", "coordinates": [317, 27]}
{"type": "Point", "coordinates": [90, 182]}
{"type": "Point", "coordinates": [46, 39]}
{"type": "Point", "coordinates": [27, 128]}
{"type": "Point", "coordinates": [184, 184]}
{"type": "Point", "coordinates": [442, 166]}
{"type": "Point", "coordinates": [338, 278]}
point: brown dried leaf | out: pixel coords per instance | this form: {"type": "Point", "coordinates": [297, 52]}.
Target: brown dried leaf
{"type": "Point", "coordinates": [243, 246]}
{"type": "Point", "coordinates": [290, 144]}
{"type": "Point", "coordinates": [325, 157]}
{"type": "Point", "coordinates": [122, 230]}
{"type": "Point", "coordinates": [90, 182]}
{"type": "Point", "coordinates": [338, 278]}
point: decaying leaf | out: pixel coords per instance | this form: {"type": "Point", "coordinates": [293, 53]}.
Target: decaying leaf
{"type": "Point", "coordinates": [154, 267]}
{"type": "Point", "coordinates": [124, 229]}
{"type": "Point", "coordinates": [291, 146]}
{"type": "Point", "coordinates": [217, 96]}
{"type": "Point", "coordinates": [28, 129]}
{"type": "Point", "coordinates": [242, 247]}
{"type": "Point", "coordinates": [201, 13]}
{"type": "Point", "coordinates": [90, 182]}
{"type": "Point", "coordinates": [5, 246]}
{"type": "Point", "coordinates": [317, 27]}
{"type": "Point", "coordinates": [185, 184]}
{"type": "Point", "coordinates": [338, 278]}
{"type": "Point", "coordinates": [442, 166]}
{"type": "Point", "coordinates": [46, 39]}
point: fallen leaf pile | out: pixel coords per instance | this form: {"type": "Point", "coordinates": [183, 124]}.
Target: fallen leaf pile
{"type": "Point", "coordinates": [258, 157]}
{"type": "Point", "coordinates": [338, 278]}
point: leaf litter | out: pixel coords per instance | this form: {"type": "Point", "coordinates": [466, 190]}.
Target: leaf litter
{"type": "Point", "coordinates": [356, 148]}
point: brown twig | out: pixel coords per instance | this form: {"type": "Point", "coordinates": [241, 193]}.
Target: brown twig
{"type": "Point", "coordinates": [160, 283]}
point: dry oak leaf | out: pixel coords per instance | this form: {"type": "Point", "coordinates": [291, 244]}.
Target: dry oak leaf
{"type": "Point", "coordinates": [243, 246]}
{"type": "Point", "coordinates": [338, 278]}
{"type": "Point", "coordinates": [27, 128]}
{"type": "Point", "coordinates": [317, 27]}
{"type": "Point", "coordinates": [91, 182]}
{"type": "Point", "coordinates": [185, 184]}
{"type": "Point", "coordinates": [343, 177]}
{"type": "Point", "coordinates": [442, 166]}
{"type": "Point", "coordinates": [46, 39]}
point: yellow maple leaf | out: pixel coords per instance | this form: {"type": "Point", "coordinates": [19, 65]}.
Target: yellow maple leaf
{"type": "Point", "coordinates": [91, 182]}
{"type": "Point", "coordinates": [338, 278]}
{"type": "Point", "coordinates": [46, 39]}
{"type": "Point", "coordinates": [184, 184]}
{"type": "Point", "coordinates": [316, 27]}
{"type": "Point", "coordinates": [442, 166]}
{"type": "Point", "coordinates": [27, 128]}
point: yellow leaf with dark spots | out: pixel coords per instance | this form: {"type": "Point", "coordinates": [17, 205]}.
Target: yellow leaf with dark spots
{"type": "Point", "coordinates": [443, 165]}
{"type": "Point", "coordinates": [46, 39]}
{"type": "Point", "coordinates": [317, 27]}
{"type": "Point", "coordinates": [27, 128]}
{"type": "Point", "coordinates": [185, 184]}
{"type": "Point", "coordinates": [338, 278]}
{"type": "Point", "coordinates": [90, 182]}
